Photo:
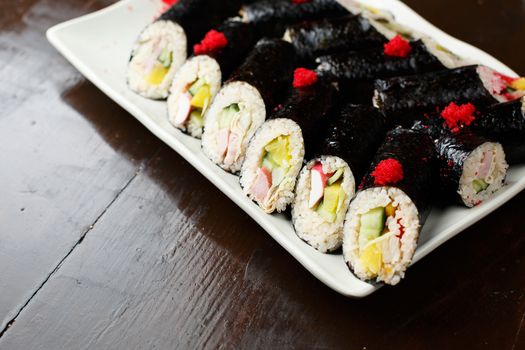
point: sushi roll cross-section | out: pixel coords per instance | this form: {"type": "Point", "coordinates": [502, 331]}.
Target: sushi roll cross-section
{"type": "Point", "coordinates": [199, 79]}
{"type": "Point", "coordinates": [242, 104]}
{"type": "Point", "coordinates": [327, 183]}
{"type": "Point", "coordinates": [324, 189]}
{"type": "Point", "coordinates": [382, 226]}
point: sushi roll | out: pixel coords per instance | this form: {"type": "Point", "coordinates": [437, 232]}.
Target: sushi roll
{"type": "Point", "coordinates": [241, 106]}
{"type": "Point", "coordinates": [276, 152]}
{"type": "Point", "coordinates": [199, 79]}
{"type": "Point", "coordinates": [326, 184]}
{"type": "Point", "coordinates": [505, 123]}
{"type": "Point", "coordinates": [382, 226]}
{"type": "Point", "coordinates": [406, 99]}
{"type": "Point", "coordinates": [471, 168]}
{"type": "Point", "coordinates": [356, 71]}
{"type": "Point", "coordinates": [331, 35]}
{"type": "Point", "coordinates": [272, 16]}
{"type": "Point", "coordinates": [162, 47]}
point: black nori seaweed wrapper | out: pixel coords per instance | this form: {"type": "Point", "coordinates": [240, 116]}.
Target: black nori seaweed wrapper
{"type": "Point", "coordinates": [331, 35]}
{"type": "Point", "coordinates": [272, 16]}
{"type": "Point", "coordinates": [310, 108]}
{"type": "Point", "coordinates": [242, 37]}
{"type": "Point", "coordinates": [415, 151]}
{"type": "Point", "coordinates": [504, 123]}
{"type": "Point", "coordinates": [406, 99]}
{"type": "Point", "coordinates": [452, 150]}
{"type": "Point", "coordinates": [354, 135]}
{"type": "Point", "coordinates": [359, 69]}
{"type": "Point", "coordinates": [196, 17]}
{"type": "Point", "coordinates": [268, 68]}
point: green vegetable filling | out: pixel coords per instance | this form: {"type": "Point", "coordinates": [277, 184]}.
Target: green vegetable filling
{"type": "Point", "coordinates": [372, 225]}
{"type": "Point", "coordinates": [196, 118]}
{"type": "Point", "coordinates": [227, 114]}
{"type": "Point", "coordinates": [479, 185]}
{"type": "Point", "coordinates": [333, 199]}
{"type": "Point", "coordinates": [166, 57]}
{"type": "Point", "coordinates": [276, 158]}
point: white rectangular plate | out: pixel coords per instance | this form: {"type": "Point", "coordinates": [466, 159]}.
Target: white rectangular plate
{"type": "Point", "coordinates": [98, 45]}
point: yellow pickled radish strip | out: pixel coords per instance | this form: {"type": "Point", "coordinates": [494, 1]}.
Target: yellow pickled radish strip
{"type": "Point", "coordinates": [518, 84]}
{"type": "Point", "coordinates": [278, 149]}
{"type": "Point", "coordinates": [390, 210]}
{"type": "Point", "coordinates": [371, 258]}
{"type": "Point", "coordinates": [201, 97]}
{"type": "Point", "coordinates": [157, 75]}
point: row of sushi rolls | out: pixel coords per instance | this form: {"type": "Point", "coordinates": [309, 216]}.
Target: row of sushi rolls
{"type": "Point", "coordinates": [355, 122]}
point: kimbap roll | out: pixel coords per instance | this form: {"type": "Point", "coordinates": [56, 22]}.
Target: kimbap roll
{"type": "Point", "coordinates": [241, 105]}
{"type": "Point", "coordinates": [471, 168]}
{"type": "Point", "coordinates": [276, 152]}
{"type": "Point", "coordinates": [406, 99]}
{"type": "Point", "coordinates": [199, 79]}
{"type": "Point", "coordinates": [332, 35]}
{"type": "Point", "coordinates": [382, 226]}
{"type": "Point", "coordinates": [505, 123]}
{"type": "Point", "coordinates": [163, 45]}
{"type": "Point", "coordinates": [326, 184]}
{"type": "Point", "coordinates": [272, 16]}
{"type": "Point", "coordinates": [324, 189]}
{"type": "Point", "coordinates": [356, 71]}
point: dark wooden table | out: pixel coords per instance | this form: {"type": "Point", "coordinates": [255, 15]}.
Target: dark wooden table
{"type": "Point", "coordinates": [110, 240]}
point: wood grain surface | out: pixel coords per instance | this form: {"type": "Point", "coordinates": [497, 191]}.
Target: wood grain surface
{"type": "Point", "coordinates": [110, 240]}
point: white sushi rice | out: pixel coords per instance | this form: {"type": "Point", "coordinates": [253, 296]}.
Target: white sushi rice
{"type": "Point", "coordinates": [157, 36]}
{"type": "Point", "coordinates": [309, 225]}
{"type": "Point", "coordinates": [396, 254]}
{"type": "Point", "coordinates": [199, 67]}
{"type": "Point", "coordinates": [279, 197]}
{"type": "Point", "coordinates": [252, 112]}
{"type": "Point", "coordinates": [471, 169]}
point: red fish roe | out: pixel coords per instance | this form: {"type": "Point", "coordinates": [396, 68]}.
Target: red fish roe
{"type": "Point", "coordinates": [457, 116]}
{"type": "Point", "coordinates": [213, 41]}
{"type": "Point", "coordinates": [388, 172]}
{"type": "Point", "coordinates": [298, 2]}
{"type": "Point", "coordinates": [166, 4]}
{"type": "Point", "coordinates": [398, 47]}
{"type": "Point", "coordinates": [303, 77]}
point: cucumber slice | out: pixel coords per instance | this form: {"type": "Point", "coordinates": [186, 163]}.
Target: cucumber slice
{"type": "Point", "coordinates": [372, 225]}
{"type": "Point", "coordinates": [196, 118]}
{"type": "Point", "coordinates": [336, 176]}
{"type": "Point", "coordinates": [194, 88]}
{"type": "Point", "coordinates": [325, 213]}
{"type": "Point", "coordinates": [479, 185]}
{"type": "Point", "coordinates": [268, 163]}
{"type": "Point", "coordinates": [227, 114]}
{"type": "Point", "coordinates": [166, 57]}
